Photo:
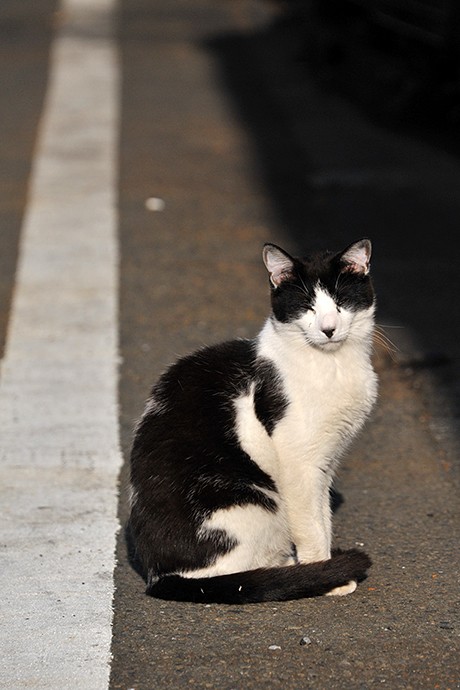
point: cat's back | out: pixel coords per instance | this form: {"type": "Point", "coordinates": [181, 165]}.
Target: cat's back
{"type": "Point", "coordinates": [193, 398]}
{"type": "Point", "coordinates": [186, 448]}
{"type": "Point", "coordinates": [212, 373]}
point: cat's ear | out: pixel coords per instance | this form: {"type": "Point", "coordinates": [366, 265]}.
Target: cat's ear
{"type": "Point", "coordinates": [278, 263]}
{"type": "Point", "coordinates": [356, 258]}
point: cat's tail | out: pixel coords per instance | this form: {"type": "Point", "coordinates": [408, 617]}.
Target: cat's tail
{"type": "Point", "coordinates": [266, 584]}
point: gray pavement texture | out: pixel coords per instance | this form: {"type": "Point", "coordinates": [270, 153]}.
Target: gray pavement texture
{"type": "Point", "coordinates": [245, 145]}
{"type": "Point", "coordinates": [246, 142]}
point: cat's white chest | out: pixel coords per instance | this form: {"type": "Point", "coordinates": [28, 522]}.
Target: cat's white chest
{"type": "Point", "coordinates": [330, 396]}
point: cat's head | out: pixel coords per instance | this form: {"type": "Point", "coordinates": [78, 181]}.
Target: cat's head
{"type": "Point", "coordinates": [325, 298]}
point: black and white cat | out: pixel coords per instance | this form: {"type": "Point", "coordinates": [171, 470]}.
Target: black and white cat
{"type": "Point", "coordinates": [233, 459]}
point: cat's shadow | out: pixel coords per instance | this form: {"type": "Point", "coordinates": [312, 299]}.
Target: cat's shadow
{"type": "Point", "coordinates": [133, 559]}
{"type": "Point", "coordinates": [336, 499]}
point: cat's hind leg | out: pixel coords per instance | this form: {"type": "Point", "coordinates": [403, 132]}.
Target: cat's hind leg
{"type": "Point", "coordinates": [259, 539]}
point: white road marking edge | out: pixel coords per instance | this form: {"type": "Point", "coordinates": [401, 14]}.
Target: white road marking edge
{"type": "Point", "coordinates": [60, 454]}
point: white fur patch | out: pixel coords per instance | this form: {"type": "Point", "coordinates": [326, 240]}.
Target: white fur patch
{"type": "Point", "coordinates": [132, 496]}
{"type": "Point", "coordinates": [252, 435]}
{"type": "Point", "coordinates": [342, 591]}
{"type": "Point", "coordinates": [262, 540]}
{"type": "Point", "coordinates": [331, 391]}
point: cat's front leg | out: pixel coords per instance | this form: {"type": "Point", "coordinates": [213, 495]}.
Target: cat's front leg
{"type": "Point", "coordinates": [315, 545]}
{"type": "Point", "coordinates": [309, 514]}
{"type": "Point", "coordinates": [312, 538]}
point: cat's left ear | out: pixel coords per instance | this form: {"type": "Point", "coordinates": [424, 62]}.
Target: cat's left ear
{"type": "Point", "coordinates": [278, 263]}
{"type": "Point", "coordinates": [357, 257]}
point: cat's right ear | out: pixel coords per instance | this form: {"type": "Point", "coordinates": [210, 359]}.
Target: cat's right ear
{"type": "Point", "coordinates": [278, 263]}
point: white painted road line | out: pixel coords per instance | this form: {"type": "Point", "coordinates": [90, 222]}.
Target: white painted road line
{"type": "Point", "coordinates": [59, 445]}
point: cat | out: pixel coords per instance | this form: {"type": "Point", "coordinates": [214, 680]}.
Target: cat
{"type": "Point", "coordinates": [233, 459]}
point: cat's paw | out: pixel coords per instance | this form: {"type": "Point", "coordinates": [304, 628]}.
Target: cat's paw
{"type": "Point", "coordinates": [343, 589]}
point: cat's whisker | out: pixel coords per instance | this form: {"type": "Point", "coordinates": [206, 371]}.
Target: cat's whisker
{"type": "Point", "coordinates": [337, 282]}
{"type": "Point", "coordinates": [381, 338]}
{"type": "Point", "coordinates": [302, 288]}
{"type": "Point", "coordinates": [386, 325]}
{"type": "Point", "coordinates": [381, 333]}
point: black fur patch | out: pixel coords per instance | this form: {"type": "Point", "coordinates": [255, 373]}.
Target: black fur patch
{"type": "Point", "coordinates": [270, 401]}
{"type": "Point", "coordinates": [186, 460]}
{"type": "Point", "coordinates": [296, 294]}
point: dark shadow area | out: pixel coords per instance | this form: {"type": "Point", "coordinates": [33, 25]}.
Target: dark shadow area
{"type": "Point", "coordinates": [281, 162]}
{"type": "Point", "coordinates": [310, 80]}
{"type": "Point", "coordinates": [398, 61]}
{"type": "Point", "coordinates": [355, 133]}
{"type": "Point", "coordinates": [133, 558]}
{"type": "Point", "coordinates": [336, 499]}
{"type": "Point", "coordinates": [25, 38]}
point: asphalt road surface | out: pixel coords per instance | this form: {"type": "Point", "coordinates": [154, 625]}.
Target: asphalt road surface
{"type": "Point", "coordinates": [184, 134]}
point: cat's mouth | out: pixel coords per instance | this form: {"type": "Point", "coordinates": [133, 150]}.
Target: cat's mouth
{"type": "Point", "coordinates": [331, 345]}
{"type": "Point", "coordinates": [327, 345]}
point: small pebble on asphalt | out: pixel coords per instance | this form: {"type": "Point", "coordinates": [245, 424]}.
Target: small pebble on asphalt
{"type": "Point", "coordinates": [153, 203]}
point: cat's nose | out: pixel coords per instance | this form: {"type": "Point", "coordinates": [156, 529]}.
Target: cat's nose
{"type": "Point", "coordinates": [328, 323]}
